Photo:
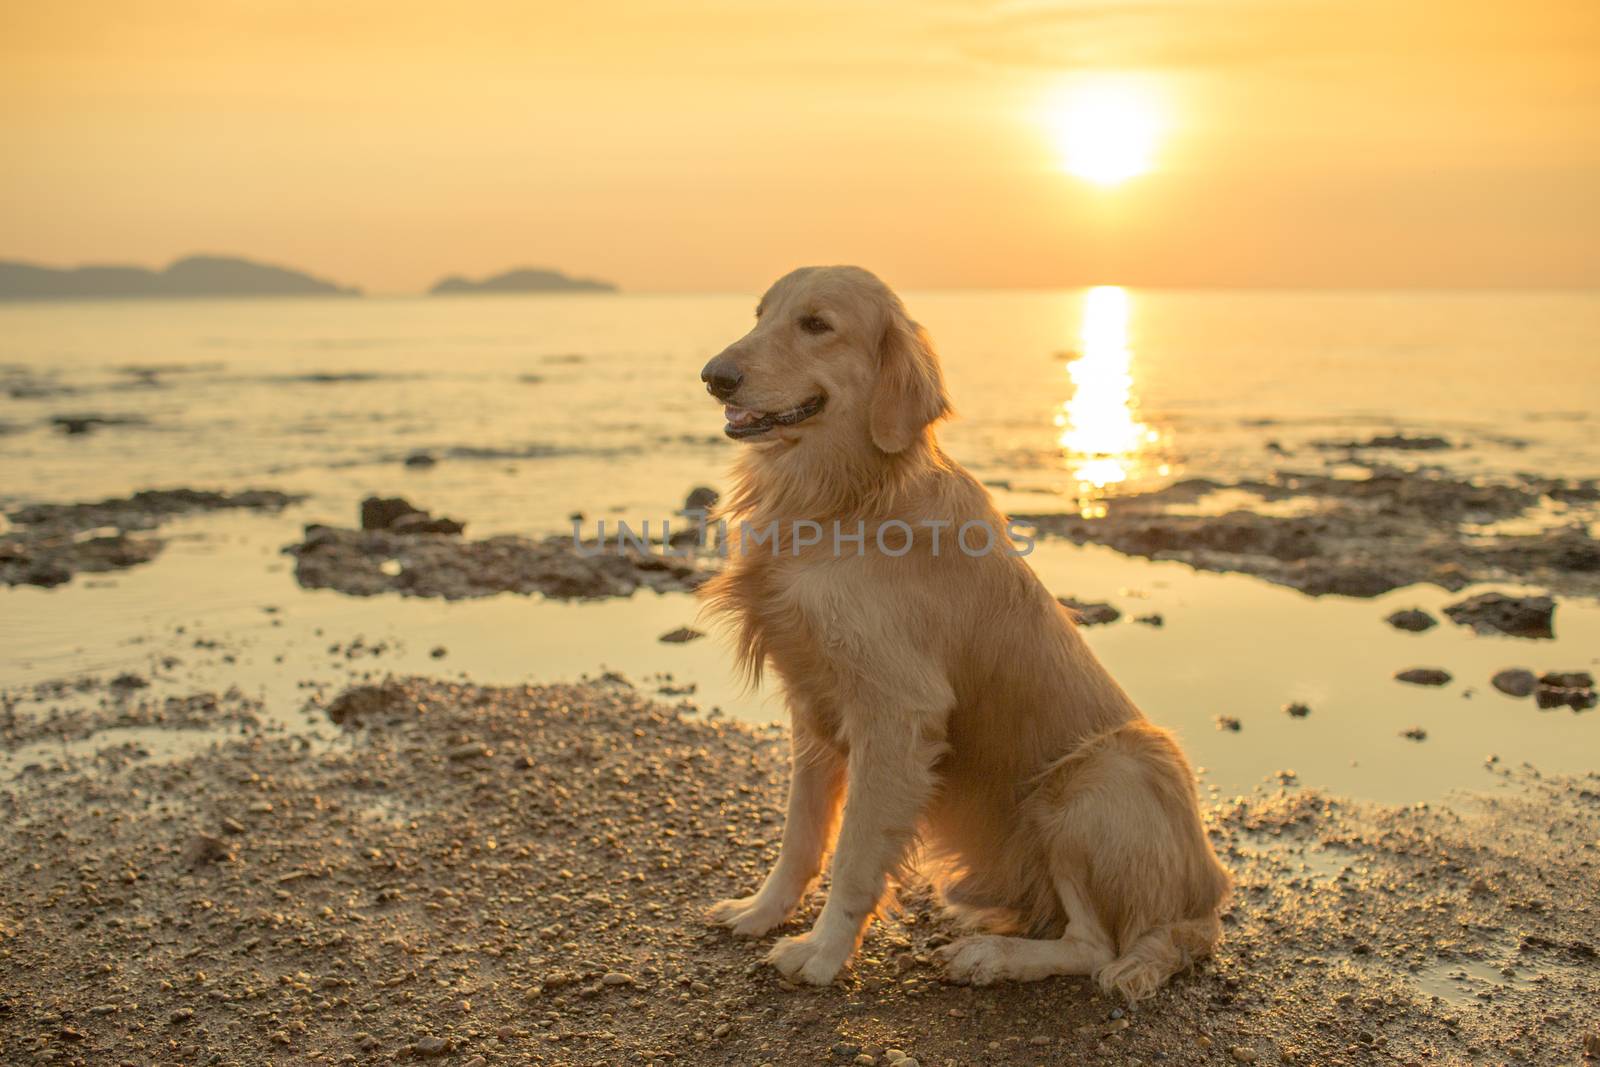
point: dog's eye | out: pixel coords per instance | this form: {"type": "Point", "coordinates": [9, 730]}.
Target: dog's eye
{"type": "Point", "coordinates": [814, 324]}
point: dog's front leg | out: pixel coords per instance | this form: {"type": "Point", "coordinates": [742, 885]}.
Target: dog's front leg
{"type": "Point", "coordinates": [890, 777]}
{"type": "Point", "coordinates": [816, 782]}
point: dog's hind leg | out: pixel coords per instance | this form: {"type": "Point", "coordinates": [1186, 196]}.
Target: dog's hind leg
{"type": "Point", "coordinates": [1084, 948]}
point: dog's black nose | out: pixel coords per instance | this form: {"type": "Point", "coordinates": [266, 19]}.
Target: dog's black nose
{"type": "Point", "coordinates": [722, 378]}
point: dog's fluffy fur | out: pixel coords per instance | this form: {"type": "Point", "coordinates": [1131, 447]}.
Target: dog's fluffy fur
{"type": "Point", "coordinates": [946, 700]}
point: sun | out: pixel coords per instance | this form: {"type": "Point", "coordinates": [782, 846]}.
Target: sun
{"type": "Point", "coordinates": [1105, 131]}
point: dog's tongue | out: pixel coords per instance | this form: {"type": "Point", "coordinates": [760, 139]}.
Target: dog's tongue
{"type": "Point", "coordinates": [740, 416]}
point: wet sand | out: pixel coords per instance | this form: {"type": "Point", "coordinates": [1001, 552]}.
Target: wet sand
{"type": "Point", "coordinates": [473, 875]}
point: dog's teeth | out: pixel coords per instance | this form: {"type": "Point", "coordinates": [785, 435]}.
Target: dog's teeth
{"type": "Point", "coordinates": [738, 416]}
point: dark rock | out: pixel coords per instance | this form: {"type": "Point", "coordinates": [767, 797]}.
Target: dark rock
{"type": "Point", "coordinates": [421, 523]}
{"type": "Point", "coordinates": [1089, 614]}
{"type": "Point", "coordinates": [82, 424]}
{"type": "Point", "coordinates": [1567, 679]}
{"type": "Point", "coordinates": [1228, 722]}
{"type": "Point", "coordinates": [1413, 619]}
{"type": "Point", "coordinates": [1408, 444]}
{"type": "Point", "coordinates": [432, 1047]}
{"type": "Point", "coordinates": [701, 498]}
{"type": "Point", "coordinates": [1514, 681]}
{"type": "Point", "coordinates": [1397, 441]}
{"type": "Point", "coordinates": [439, 652]}
{"type": "Point", "coordinates": [681, 635]}
{"type": "Point", "coordinates": [45, 574]}
{"type": "Point", "coordinates": [1151, 620]}
{"type": "Point", "coordinates": [1518, 616]}
{"type": "Point", "coordinates": [203, 849]}
{"type": "Point", "coordinates": [1424, 676]}
{"type": "Point", "coordinates": [363, 703]}
{"type": "Point", "coordinates": [420, 459]}
{"type": "Point", "coordinates": [380, 513]}
{"type": "Point", "coordinates": [147, 509]}
{"type": "Point", "coordinates": [129, 681]}
{"type": "Point", "coordinates": [1550, 696]}
{"type": "Point", "coordinates": [1415, 733]}
{"type": "Point", "coordinates": [1297, 710]}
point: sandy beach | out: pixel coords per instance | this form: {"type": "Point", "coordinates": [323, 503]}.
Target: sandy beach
{"type": "Point", "coordinates": [475, 875]}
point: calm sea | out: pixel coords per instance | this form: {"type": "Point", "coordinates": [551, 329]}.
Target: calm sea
{"type": "Point", "coordinates": [543, 405]}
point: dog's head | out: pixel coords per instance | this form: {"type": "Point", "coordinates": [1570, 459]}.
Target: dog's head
{"type": "Point", "coordinates": [832, 352]}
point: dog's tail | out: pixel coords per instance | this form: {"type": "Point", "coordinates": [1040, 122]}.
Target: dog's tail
{"type": "Point", "coordinates": [1158, 954]}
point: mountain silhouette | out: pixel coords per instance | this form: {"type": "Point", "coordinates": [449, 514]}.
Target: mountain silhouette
{"type": "Point", "coordinates": [522, 280]}
{"type": "Point", "coordinates": [190, 276]}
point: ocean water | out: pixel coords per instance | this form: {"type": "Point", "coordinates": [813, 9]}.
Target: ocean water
{"type": "Point", "coordinates": [547, 404]}
{"type": "Point", "coordinates": [537, 407]}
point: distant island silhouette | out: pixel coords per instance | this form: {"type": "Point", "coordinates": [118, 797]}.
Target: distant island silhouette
{"type": "Point", "coordinates": [522, 280]}
{"type": "Point", "coordinates": [190, 276]}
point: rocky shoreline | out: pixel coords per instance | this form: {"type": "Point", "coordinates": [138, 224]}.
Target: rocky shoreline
{"type": "Point", "coordinates": [47, 544]}
{"type": "Point", "coordinates": [479, 876]}
{"type": "Point", "coordinates": [403, 549]}
{"type": "Point", "coordinates": [1358, 537]}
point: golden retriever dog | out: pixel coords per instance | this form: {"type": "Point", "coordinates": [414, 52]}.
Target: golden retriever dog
{"type": "Point", "coordinates": [941, 698]}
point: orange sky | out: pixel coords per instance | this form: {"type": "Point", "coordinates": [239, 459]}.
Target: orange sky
{"type": "Point", "coordinates": [712, 144]}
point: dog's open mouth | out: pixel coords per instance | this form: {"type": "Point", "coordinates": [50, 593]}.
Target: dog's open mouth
{"type": "Point", "coordinates": [742, 422]}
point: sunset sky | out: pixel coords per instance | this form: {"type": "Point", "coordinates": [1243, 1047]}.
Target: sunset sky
{"type": "Point", "coordinates": [712, 144]}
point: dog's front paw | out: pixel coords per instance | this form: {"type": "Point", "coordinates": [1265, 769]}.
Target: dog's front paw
{"type": "Point", "coordinates": [810, 958]}
{"type": "Point", "coordinates": [979, 960]}
{"type": "Point", "coordinates": [749, 916]}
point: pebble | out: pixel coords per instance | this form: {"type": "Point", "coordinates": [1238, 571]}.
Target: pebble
{"type": "Point", "coordinates": [1243, 1054]}
{"type": "Point", "coordinates": [1514, 681]}
{"type": "Point", "coordinates": [1228, 722]}
{"type": "Point", "coordinates": [1297, 710]}
{"type": "Point", "coordinates": [476, 1061]}
{"type": "Point", "coordinates": [431, 1046]}
{"type": "Point", "coordinates": [615, 978]}
{"type": "Point", "coordinates": [1413, 619]}
{"type": "Point", "coordinates": [1089, 613]}
{"type": "Point", "coordinates": [1423, 676]}
{"type": "Point", "coordinates": [468, 750]}
{"type": "Point", "coordinates": [681, 635]}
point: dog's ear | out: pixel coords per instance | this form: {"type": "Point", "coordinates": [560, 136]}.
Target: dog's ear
{"type": "Point", "coordinates": [909, 394]}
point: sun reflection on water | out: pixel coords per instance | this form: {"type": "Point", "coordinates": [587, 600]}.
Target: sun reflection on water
{"type": "Point", "coordinates": [1103, 441]}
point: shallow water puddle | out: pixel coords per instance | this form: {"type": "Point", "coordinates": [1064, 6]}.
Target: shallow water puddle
{"type": "Point", "coordinates": [220, 608]}
{"type": "Point", "coordinates": [1459, 981]}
